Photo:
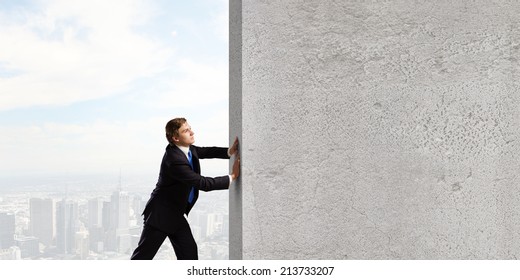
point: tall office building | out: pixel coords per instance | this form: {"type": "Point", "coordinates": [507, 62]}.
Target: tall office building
{"type": "Point", "coordinates": [81, 240]}
{"type": "Point", "coordinates": [7, 227]}
{"type": "Point", "coordinates": [95, 213]}
{"type": "Point", "coordinates": [42, 221]}
{"type": "Point", "coordinates": [210, 224]}
{"type": "Point", "coordinates": [66, 226]}
{"type": "Point", "coordinates": [214, 224]}
{"type": "Point", "coordinates": [138, 207]}
{"type": "Point", "coordinates": [95, 224]}
{"type": "Point", "coordinates": [116, 221]}
{"type": "Point", "coordinates": [29, 246]}
{"type": "Point", "coordinates": [199, 218]}
{"type": "Point", "coordinates": [107, 215]}
{"type": "Point", "coordinates": [120, 210]}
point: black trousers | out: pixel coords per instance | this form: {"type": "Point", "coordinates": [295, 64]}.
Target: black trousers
{"type": "Point", "coordinates": [151, 240]}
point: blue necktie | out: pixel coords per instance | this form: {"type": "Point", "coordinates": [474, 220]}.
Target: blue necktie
{"type": "Point", "coordinates": [192, 192]}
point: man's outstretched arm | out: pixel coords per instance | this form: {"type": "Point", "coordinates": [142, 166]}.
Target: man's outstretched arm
{"type": "Point", "coordinates": [185, 174]}
{"type": "Point", "coordinates": [217, 152]}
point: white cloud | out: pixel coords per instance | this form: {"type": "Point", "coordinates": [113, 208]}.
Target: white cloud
{"type": "Point", "coordinates": [199, 84]}
{"type": "Point", "coordinates": [76, 50]}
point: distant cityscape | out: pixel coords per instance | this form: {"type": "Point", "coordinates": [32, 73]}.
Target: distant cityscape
{"type": "Point", "coordinates": [98, 223]}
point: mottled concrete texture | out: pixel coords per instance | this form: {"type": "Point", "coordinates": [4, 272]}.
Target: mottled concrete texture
{"type": "Point", "coordinates": [376, 129]}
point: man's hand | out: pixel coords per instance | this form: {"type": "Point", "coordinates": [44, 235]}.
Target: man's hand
{"type": "Point", "coordinates": [236, 168]}
{"type": "Point", "coordinates": [234, 147]}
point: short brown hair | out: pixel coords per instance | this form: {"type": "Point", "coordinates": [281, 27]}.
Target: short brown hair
{"type": "Point", "coordinates": [172, 128]}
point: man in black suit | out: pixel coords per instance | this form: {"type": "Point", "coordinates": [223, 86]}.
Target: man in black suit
{"type": "Point", "coordinates": [177, 191]}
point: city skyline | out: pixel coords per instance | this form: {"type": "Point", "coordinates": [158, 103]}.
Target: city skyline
{"type": "Point", "coordinates": [102, 225]}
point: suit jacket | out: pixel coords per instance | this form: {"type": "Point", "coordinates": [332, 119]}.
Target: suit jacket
{"type": "Point", "coordinates": [169, 200]}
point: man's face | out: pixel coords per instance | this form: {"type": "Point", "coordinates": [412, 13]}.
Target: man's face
{"type": "Point", "coordinates": [186, 136]}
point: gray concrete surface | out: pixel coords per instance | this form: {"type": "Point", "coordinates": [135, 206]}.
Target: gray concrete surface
{"type": "Point", "coordinates": [375, 129]}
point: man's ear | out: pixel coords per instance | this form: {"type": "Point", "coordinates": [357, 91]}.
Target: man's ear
{"type": "Point", "coordinates": [175, 139]}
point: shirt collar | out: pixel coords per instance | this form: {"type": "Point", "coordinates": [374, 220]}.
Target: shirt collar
{"type": "Point", "coordinates": [185, 150]}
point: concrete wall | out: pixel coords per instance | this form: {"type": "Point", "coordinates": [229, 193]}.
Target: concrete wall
{"type": "Point", "coordinates": [376, 129]}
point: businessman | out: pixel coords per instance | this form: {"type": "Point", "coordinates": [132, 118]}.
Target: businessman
{"type": "Point", "coordinates": [177, 191]}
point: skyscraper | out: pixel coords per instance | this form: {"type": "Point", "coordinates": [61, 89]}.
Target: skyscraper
{"type": "Point", "coordinates": [95, 213]}
{"type": "Point", "coordinates": [198, 218]}
{"type": "Point", "coordinates": [42, 222]}
{"type": "Point", "coordinates": [66, 226]}
{"type": "Point", "coordinates": [117, 236]}
{"type": "Point", "coordinates": [214, 224]}
{"type": "Point", "coordinates": [107, 215]}
{"type": "Point", "coordinates": [120, 210]}
{"type": "Point", "coordinates": [7, 227]}
{"type": "Point", "coordinates": [95, 224]}
{"type": "Point", "coordinates": [138, 207]}
{"type": "Point", "coordinates": [28, 246]}
{"type": "Point", "coordinates": [81, 240]}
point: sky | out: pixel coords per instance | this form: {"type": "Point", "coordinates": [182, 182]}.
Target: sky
{"type": "Point", "coordinates": [86, 87]}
